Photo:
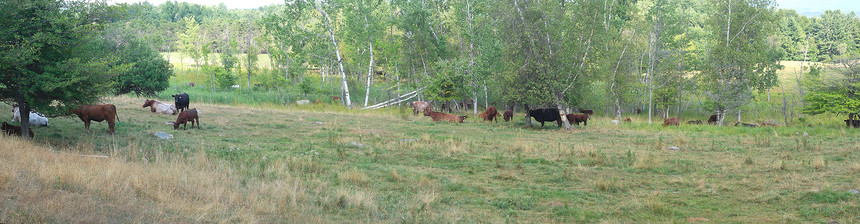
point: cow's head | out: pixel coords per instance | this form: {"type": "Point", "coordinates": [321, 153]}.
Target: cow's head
{"type": "Point", "coordinates": [148, 103]}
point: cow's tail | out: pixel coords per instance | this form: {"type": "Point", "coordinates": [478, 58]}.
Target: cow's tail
{"type": "Point", "coordinates": [116, 114]}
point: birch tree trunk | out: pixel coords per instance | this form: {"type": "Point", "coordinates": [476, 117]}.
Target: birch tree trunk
{"type": "Point", "coordinates": [369, 75]}
{"type": "Point", "coordinates": [344, 85]}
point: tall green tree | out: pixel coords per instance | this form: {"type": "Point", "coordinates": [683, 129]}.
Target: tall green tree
{"type": "Point", "coordinates": [741, 59]}
{"type": "Point", "coordinates": [190, 41]}
{"type": "Point", "coordinates": [51, 55]}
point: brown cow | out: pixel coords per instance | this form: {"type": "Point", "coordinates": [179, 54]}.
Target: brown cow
{"type": "Point", "coordinates": [185, 117]}
{"type": "Point", "coordinates": [712, 119]}
{"type": "Point", "coordinates": [97, 113]}
{"type": "Point", "coordinates": [439, 116]}
{"type": "Point", "coordinates": [490, 114]}
{"type": "Point", "coordinates": [419, 107]}
{"type": "Point", "coordinates": [509, 115]}
{"type": "Point", "coordinates": [577, 118]}
{"type": "Point", "coordinates": [190, 84]}
{"type": "Point", "coordinates": [627, 120]}
{"type": "Point", "coordinates": [14, 130]}
{"type": "Point", "coordinates": [671, 121]}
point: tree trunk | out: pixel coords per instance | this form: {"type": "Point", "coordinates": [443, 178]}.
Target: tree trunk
{"type": "Point", "coordinates": [474, 102]}
{"type": "Point", "coordinates": [486, 97]}
{"type": "Point", "coordinates": [527, 118]}
{"type": "Point", "coordinates": [739, 115]}
{"type": "Point", "coordinates": [24, 111]}
{"type": "Point", "coordinates": [344, 85]}
{"type": "Point", "coordinates": [561, 114]}
{"type": "Point", "coordinates": [369, 75]}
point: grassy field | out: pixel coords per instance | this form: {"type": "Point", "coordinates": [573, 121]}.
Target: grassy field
{"type": "Point", "coordinates": [322, 164]}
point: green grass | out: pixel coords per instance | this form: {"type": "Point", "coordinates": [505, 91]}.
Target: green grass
{"type": "Point", "coordinates": [410, 169]}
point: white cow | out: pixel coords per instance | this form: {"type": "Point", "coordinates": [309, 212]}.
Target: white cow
{"type": "Point", "coordinates": [36, 119]}
{"type": "Point", "coordinates": [159, 107]}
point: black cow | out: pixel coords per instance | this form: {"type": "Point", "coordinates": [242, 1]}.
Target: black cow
{"type": "Point", "coordinates": [181, 101]}
{"type": "Point", "coordinates": [589, 112]}
{"type": "Point", "coordinates": [545, 114]}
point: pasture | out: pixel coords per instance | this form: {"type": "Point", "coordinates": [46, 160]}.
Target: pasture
{"type": "Point", "coordinates": [322, 163]}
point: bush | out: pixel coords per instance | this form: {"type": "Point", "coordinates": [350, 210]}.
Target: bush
{"type": "Point", "coordinates": [222, 77]}
{"type": "Point", "coordinates": [147, 71]}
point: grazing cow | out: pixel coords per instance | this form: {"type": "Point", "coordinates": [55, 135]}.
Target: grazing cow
{"type": "Point", "coordinates": [14, 130]}
{"type": "Point", "coordinates": [159, 107]}
{"type": "Point", "coordinates": [420, 107]}
{"type": "Point", "coordinates": [439, 116]}
{"type": "Point", "coordinates": [36, 119]}
{"type": "Point", "coordinates": [509, 115]}
{"type": "Point", "coordinates": [545, 114]}
{"type": "Point", "coordinates": [627, 120]}
{"type": "Point", "coordinates": [589, 112]}
{"type": "Point", "coordinates": [694, 122]}
{"type": "Point", "coordinates": [97, 113]}
{"type": "Point", "coordinates": [185, 117]}
{"type": "Point", "coordinates": [712, 119]}
{"type": "Point", "coordinates": [577, 118]}
{"type": "Point", "coordinates": [335, 98]}
{"type": "Point", "coordinates": [490, 114]}
{"type": "Point", "coordinates": [181, 101]}
{"type": "Point", "coordinates": [190, 84]}
{"type": "Point", "coordinates": [671, 121]}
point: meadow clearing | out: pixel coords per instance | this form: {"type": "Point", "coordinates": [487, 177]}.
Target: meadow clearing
{"type": "Point", "coordinates": [323, 163]}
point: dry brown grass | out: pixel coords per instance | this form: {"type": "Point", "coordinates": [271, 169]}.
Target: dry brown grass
{"type": "Point", "coordinates": [39, 184]}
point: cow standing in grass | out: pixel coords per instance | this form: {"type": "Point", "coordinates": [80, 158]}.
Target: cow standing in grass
{"type": "Point", "coordinates": [185, 117]}
{"type": "Point", "coordinates": [98, 113]}
{"type": "Point", "coordinates": [490, 114]}
{"type": "Point", "coordinates": [577, 118]}
{"type": "Point", "coordinates": [182, 101]}
{"type": "Point", "coordinates": [546, 114]}
{"type": "Point", "coordinates": [671, 121]}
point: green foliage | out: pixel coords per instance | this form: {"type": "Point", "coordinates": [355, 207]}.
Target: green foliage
{"type": "Point", "coordinates": [223, 78]}
{"type": "Point", "coordinates": [309, 85]}
{"type": "Point", "coordinates": [148, 73]}
{"type": "Point", "coordinates": [52, 55]}
{"type": "Point", "coordinates": [741, 59]}
{"type": "Point", "coordinates": [838, 95]}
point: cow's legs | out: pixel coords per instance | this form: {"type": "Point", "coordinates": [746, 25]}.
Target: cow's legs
{"type": "Point", "coordinates": [110, 126]}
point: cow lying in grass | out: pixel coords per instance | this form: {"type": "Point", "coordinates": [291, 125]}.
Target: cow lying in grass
{"type": "Point", "coordinates": [185, 117]}
{"type": "Point", "coordinates": [439, 116]}
{"type": "Point", "coordinates": [159, 107]}
{"type": "Point", "coordinates": [419, 107]}
{"type": "Point", "coordinates": [13, 130]}
{"type": "Point", "coordinates": [36, 119]}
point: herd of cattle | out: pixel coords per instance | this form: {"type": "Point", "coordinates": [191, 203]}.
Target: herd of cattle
{"type": "Point", "coordinates": [491, 114]}
{"type": "Point", "coordinates": [546, 115]}
{"type": "Point", "coordinates": [107, 112]}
